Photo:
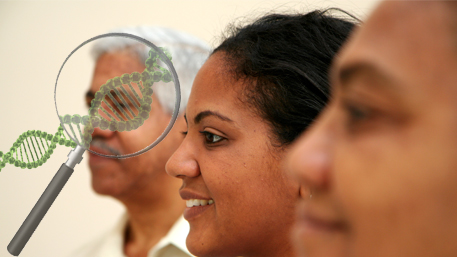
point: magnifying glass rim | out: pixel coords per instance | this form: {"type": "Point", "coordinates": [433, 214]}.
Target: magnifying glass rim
{"type": "Point", "coordinates": [171, 68]}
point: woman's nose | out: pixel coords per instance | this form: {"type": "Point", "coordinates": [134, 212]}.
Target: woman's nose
{"type": "Point", "coordinates": [309, 160]}
{"type": "Point", "coordinates": [183, 162]}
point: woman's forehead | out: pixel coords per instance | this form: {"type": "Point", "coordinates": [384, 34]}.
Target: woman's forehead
{"type": "Point", "coordinates": [392, 41]}
{"type": "Point", "coordinates": [216, 94]}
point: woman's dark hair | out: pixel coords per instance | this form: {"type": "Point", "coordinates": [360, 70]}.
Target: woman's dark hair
{"type": "Point", "coordinates": [284, 61]}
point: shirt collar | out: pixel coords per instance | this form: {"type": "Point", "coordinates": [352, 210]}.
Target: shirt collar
{"type": "Point", "coordinates": [176, 236]}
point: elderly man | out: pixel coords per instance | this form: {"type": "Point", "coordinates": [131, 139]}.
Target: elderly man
{"type": "Point", "coordinates": [382, 159]}
{"type": "Point", "coordinates": [153, 225]}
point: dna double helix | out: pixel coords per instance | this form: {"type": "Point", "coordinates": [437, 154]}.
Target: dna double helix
{"type": "Point", "coordinates": [24, 151]}
{"type": "Point", "coordinates": [122, 111]}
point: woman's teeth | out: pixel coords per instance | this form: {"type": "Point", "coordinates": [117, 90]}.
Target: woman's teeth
{"type": "Point", "coordinates": [198, 202]}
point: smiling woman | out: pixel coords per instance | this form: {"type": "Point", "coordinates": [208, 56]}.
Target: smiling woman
{"type": "Point", "coordinates": [256, 93]}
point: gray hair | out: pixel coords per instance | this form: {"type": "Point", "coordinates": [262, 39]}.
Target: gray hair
{"type": "Point", "coordinates": [188, 55]}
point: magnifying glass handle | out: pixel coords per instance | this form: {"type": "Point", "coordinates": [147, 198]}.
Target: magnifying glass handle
{"type": "Point", "coordinates": [44, 203]}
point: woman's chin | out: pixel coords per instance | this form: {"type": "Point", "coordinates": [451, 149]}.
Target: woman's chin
{"type": "Point", "coordinates": [207, 247]}
{"type": "Point", "coordinates": [199, 246]}
{"type": "Point", "coordinates": [195, 247]}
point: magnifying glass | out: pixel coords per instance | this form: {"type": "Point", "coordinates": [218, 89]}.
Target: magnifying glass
{"type": "Point", "coordinates": [122, 105]}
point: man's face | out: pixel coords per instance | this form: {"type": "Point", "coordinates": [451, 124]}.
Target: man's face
{"type": "Point", "coordinates": [120, 177]}
{"type": "Point", "coordinates": [381, 160]}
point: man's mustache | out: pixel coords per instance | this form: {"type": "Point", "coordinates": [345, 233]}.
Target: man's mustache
{"type": "Point", "coordinates": [100, 143]}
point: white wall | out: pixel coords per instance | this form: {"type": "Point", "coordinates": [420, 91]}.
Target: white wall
{"type": "Point", "coordinates": [35, 38]}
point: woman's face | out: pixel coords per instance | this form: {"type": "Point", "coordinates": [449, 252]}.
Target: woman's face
{"type": "Point", "coordinates": [242, 202]}
{"type": "Point", "coordinates": [381, 160]}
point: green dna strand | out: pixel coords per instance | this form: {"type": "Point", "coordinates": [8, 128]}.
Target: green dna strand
{"type": "Point", "coordinates": [126, 114]}
{"type": "Point", "coordinates": [24, 151]}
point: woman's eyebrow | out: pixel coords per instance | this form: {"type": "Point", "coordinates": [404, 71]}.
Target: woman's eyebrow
{"type": "Point", "coordinates": [207, 113]}
{"type": "Point", "coordinates": [349, 72]}
{"type": "Point", "coordinates": [200, 116]}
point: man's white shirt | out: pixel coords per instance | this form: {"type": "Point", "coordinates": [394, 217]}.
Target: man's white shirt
{"type": "Point", "coordinates": [112, 243]}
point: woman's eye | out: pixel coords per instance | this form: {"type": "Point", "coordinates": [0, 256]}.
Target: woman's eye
{"type": "Point", "coordinates": [211, 138]}
{"type": "Point", "coordinates": [358, 117]}
{"type": "Point", "coordinates": [357, 114]}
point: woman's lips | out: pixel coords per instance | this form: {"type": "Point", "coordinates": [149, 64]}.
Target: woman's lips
{"type": "Point", "coordinates": [317, 225]}
{"type": "Point", "coordinates": [196, 203]}
{"type": "Point", "coordinates": [310, 223]}
{"type": "Point", "coordinates": [191, 213]}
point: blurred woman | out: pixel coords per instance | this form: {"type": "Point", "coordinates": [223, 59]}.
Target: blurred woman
{"type": "Point", "coordinates": [382, 159]}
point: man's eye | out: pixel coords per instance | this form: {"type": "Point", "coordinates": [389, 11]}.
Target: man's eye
{"type": "Point", "coordinates": [89, 102]}
{"type": "Point", "coordinates": [211, 138]}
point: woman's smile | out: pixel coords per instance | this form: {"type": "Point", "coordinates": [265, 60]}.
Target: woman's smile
{"type": "Point", "coordinates": [226, 149]}
{"type": "Point", "coordinates": [196, 203]}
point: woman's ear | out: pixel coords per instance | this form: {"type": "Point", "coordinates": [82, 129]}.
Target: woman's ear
{"type": "Point", "coordinates": [304, 192]}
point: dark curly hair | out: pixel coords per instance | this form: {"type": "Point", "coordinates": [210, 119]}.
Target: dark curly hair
{"type": "Point", "coordinates": [284, 60]}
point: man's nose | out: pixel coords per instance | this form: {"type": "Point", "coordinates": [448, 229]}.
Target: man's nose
{"type": "Point", "coordinates": [98, 132]}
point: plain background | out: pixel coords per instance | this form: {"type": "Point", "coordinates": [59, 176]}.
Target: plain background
{"type": "Point", "coordinates": [35, 39]}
